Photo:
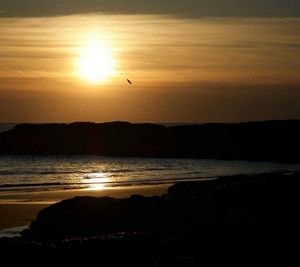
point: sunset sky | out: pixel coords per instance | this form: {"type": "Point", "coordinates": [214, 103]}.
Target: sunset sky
{"type": "Point", "coordinates": [189, 61]}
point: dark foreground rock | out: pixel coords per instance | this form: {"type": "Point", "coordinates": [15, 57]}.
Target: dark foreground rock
{"type": "Point", "coordinates": [232, 220]}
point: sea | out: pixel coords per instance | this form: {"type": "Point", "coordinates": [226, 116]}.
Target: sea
{"type": "Point", "coordinates": [52, 173]}
{"type": "Point", "coordinates": [6, 126]}
{"type": "Point", "coordinates": [30, 174]}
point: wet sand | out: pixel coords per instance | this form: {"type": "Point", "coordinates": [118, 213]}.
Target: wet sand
{"type": "Point", "coordinates": [18, 209]}
{"type": "Point", "coordinates": [13, 215]}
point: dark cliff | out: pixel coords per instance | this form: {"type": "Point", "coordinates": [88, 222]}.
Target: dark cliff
{"type": "Point", "coordinates": [269, 140]}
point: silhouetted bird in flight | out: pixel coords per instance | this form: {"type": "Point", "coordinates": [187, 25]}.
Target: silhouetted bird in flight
{"type": "Point", "coordinates": [129, 81]}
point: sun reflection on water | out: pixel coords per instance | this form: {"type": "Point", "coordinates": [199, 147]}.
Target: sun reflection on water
{"type": "Point", "coordinates": [96, 180]}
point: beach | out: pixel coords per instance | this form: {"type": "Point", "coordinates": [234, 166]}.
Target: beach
{"type": "Point", "coordinates": [235, 219]}
{"type": "Point", "coordinates": [28, 184]}
{"type": "Point", "coordinates": [150, 133]}
{"type": "Point", "coordinates": [19, 209]}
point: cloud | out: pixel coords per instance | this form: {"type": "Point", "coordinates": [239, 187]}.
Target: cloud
{"type": "Point", "coordinates": [187, 8]}
{"type": "Point", "coordinates": [211, 69]}
{"type": "Point", "coordinates": [157, 48]}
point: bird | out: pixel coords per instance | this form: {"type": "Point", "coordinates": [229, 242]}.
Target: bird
{"type": "Point", "coordinates": [129, 81]}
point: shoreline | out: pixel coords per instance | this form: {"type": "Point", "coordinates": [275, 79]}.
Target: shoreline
{"type": "Point", "coordinates": [21, 208]}
{"type": "Point", "coordinates": [231, 219]}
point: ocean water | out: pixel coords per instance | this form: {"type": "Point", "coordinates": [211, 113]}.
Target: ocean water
{"type": "Point", "coordinates": [35, 173]}
{"type": "Point", "coordinates": [6, 126]}
{"type": "Point", "coordinates": [13, 232]}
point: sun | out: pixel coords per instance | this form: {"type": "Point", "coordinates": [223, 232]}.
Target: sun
{"type": "Point", "coordinates": [95, 63]}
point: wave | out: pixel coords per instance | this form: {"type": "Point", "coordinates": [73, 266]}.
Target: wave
{"type": "Point", "coordinates": [56, 172]}
{"type": "Point", "coordinates": [132, 170]}
{"type": "Point", "coordinates": [6, 126]}
{"type": "Point", "coordinates": [43, 172]}
{"type": "Point", "coordinates": [27, 172]}
{"type": "Point", "coordinates": [21, 174]}
{"type": "Point", "coordinates": [34, 185]}
{"type": "Point", "coordinates": [13, 232]}
{"type": "Point", "coordinates": [8, 187]}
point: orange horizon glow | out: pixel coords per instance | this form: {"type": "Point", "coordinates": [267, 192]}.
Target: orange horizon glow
{"type": "Point", "coordinates": [71, 68]}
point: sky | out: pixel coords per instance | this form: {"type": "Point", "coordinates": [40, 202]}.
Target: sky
{"type": "Point", "coordinates": [189, 61]}
{"type": "Point", "coordinates": [186, 8]}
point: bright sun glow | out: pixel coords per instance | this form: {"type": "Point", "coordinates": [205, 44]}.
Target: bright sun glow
{"type": "Point", "coordinates": [95, 63]}
{"type": "Point", "coordinates": [96, 181]}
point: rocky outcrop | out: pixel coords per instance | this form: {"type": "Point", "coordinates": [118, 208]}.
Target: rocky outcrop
{"type": "Point", "coordinates": [241, 204]}
{"type": "Point", "coordinates": [270, 140]}
{"type": "Point", "coordinates": [234, 221]}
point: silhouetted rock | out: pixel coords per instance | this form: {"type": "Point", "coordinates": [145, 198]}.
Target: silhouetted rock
{"type": "Point", "coordinates": [88, 216]}
{"type": "Point", "coordinates": [229, 204]}
{"type": "Point", "coordinates": [270, 140]}
{"type": "Point", "coordinates": [242, 220]}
